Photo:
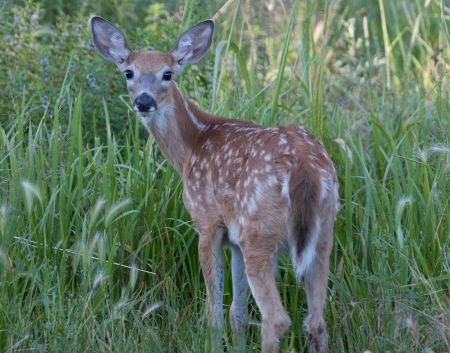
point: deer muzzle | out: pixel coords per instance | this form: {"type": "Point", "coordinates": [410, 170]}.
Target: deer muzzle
{"type": "Point", "coordinates": [144, 103]}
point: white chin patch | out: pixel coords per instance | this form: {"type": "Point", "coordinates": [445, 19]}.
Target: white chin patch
{"type": "Point", "coordinates": [145, 114]}
{"type": "Point", "coordinates": [147, 117]}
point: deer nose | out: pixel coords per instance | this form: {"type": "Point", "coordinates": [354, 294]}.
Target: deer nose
{"type": "Point", "coordinates": [145, 103]}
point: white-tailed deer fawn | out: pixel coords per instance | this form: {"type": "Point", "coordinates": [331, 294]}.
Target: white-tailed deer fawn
{"type": "Point", "coordinates": [259, 190]}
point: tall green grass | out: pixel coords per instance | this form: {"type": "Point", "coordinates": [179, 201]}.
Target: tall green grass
{"type": "Point", "coordinates": [97, 252]}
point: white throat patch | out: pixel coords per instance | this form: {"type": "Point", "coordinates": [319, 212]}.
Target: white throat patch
{"type": "Point", "coordinates": [158, 119]}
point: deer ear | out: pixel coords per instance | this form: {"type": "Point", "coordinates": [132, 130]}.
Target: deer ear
{"type": "Point", "coordinates": [194, 43]}
{"type": "Point", "coordinates": [109, 40]}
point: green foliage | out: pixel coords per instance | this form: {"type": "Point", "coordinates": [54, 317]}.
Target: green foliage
{"type": "Point", "coordinates": [159, 27]}
{"type": "Point", "coordinates": [97, 252]}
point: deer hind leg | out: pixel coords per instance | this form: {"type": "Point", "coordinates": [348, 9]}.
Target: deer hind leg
{"type": "Point", "coordinates": [316, 279]}
{"type": "Point", "coordinates": [238, 309]}
{"type": "Point", "coordinates": [275, 320]}
{"type": "Point", "coordinates": [211, 261]}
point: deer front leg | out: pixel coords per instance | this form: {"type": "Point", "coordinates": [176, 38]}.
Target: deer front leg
{"type": "Point", "coordinates": [211, 261]}
{"type": "Point", "coordinates": [238, 309]}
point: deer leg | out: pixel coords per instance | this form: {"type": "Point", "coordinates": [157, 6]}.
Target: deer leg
{"type": "Point", "coordinates": [275, 320]}
{"type": "Point", "coordinates": [316, 279]}
{"type": "Point", "coordinates": [238, 309]}
{"type": "Point", "coordinates": [211, 261]}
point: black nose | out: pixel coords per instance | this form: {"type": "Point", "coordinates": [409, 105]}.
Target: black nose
{"type": "Point", "coordinates": [145, 103]}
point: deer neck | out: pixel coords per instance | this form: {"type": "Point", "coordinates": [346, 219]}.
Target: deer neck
{"type": "Point", "coordinates": [176, 128]}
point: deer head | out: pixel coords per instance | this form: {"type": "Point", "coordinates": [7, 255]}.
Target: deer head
{"type": "Point", "coordinates": [149, 73]}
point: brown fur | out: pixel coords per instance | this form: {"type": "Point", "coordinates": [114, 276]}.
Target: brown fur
{"type": "Point", "coordinates": [151, 60]}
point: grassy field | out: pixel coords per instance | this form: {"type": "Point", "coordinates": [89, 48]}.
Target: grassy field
{"type": "Point", "coordinates": [97, 252]}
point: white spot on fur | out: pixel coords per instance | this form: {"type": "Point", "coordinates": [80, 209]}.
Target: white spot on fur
{"type": "Point", "coordinates": [233, 233]}
{"type": "Point", "coordinates": [313, 158]}
{"type": "Point", "coordinates": [207, 145]}
{"type": "Point", "coordinates": [323, 188]}
{"type": "Point", "coordinates": [241, 221]}
{"type": "Point", "coordinates": [282, 141]}
{"type": "Point", "coordinates": [285, 189]}
{"type": "Point", "coordinates": [310, 142]}
{"type": "Point", "coordinates": [217, 160]}
{"type": "Point", "coordinates": [272, 180]}
{"type": "Point", "coordinates": [251, 206]}
{"type": "Point", "coordinates": [268, 157]}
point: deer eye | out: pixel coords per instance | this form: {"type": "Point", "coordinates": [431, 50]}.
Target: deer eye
{"type": "Point", "coordinates": [167, 76]}
{"type": "Point", "coordinates": [128, 74]}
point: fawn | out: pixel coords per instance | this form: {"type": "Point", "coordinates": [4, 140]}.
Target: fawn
{"type": "Point", "coordinates": [258, 190]}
